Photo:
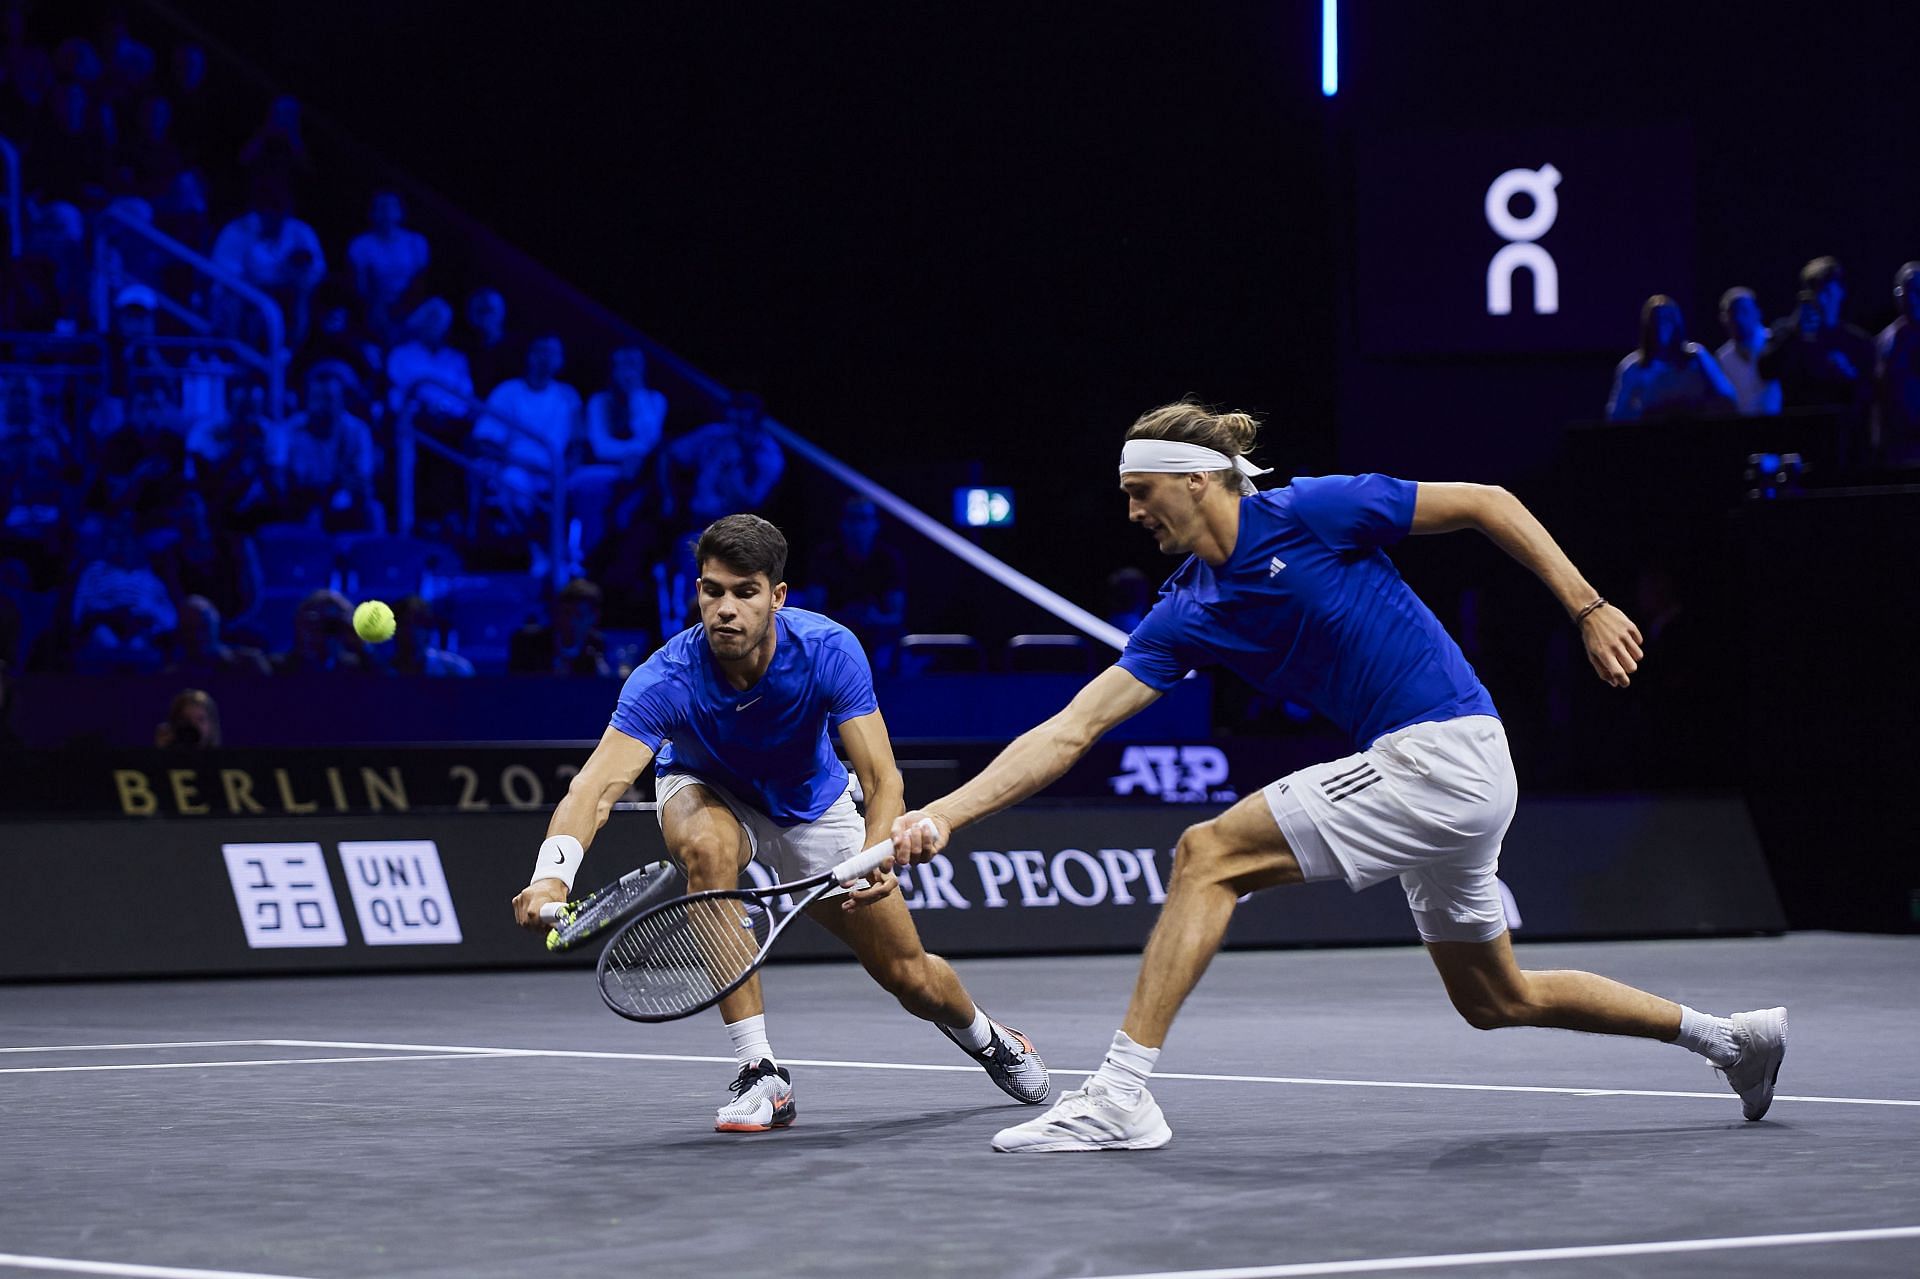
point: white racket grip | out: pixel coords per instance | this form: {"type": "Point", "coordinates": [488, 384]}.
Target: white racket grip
{"type": "Point", "coordinates": [550, 913]}
{"type": "Point", "coordinates": [858, 865]}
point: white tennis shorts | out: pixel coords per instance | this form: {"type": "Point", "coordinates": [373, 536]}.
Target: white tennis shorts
{"type": "Point", "coordinates": [790, 852]}
{"type": "Point", "coordinates": [1429, 803]}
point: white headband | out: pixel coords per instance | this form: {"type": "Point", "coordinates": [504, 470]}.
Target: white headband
{"type": "Point", "coordinates": [1180, 458]}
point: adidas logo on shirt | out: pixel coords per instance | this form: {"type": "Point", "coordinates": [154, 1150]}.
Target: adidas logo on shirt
{"type": "Point", "coordinates": [1274, 566]}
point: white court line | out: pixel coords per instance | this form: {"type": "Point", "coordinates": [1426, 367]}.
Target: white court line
{"type": "Point", "coordinates": [249, 1061]}
{"type": "Point", "coordinates": [1307, 1080]}
{"type": "Point", "coordinates": [183, 1043]}
{"type": "Point", "coordinates": [1443, 1261]}
{"type": "Point", "coordinates": [63, 1265]}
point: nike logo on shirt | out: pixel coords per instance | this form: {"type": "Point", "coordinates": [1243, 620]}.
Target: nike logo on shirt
{"type": "Point", "coordinates": [743, 705]}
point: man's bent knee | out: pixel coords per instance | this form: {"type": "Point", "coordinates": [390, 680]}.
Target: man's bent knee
{"type": "Point", "coordinates": [1207, 856]}
{"type": "Point", "coordinates": [911, 981]}
{"type": "Point", "coordinates": [709, 861]}
{"type": "Point", "coordinates": [1490, 1013]}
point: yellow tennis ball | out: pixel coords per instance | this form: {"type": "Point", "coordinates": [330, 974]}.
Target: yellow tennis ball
{"type": "Point", "coordinates": [373, 622]}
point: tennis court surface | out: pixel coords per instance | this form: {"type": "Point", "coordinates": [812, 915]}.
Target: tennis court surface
{"type": "Point", "coordinates": [1331, 1116]}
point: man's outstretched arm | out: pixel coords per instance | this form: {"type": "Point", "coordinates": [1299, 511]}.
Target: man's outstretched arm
{"type": "Point", "coordinates": [1032, 762]}
{"type": "Point", "coordinates": [1613, 641]}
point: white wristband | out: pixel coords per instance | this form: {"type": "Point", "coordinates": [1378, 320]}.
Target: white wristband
{"type": "Point", "coordinates": [560, 858]}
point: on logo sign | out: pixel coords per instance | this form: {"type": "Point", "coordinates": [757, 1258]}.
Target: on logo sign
{"type": "Point", "coordinates": [1521, 251]}
{"type": "Point", "coordinates": [1177, 774]}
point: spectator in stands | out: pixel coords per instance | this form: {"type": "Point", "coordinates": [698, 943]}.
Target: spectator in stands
{"type": "Point", "coordinates": [143, 462]}
{"type": "Point", "coordinates": [1667, 376]}
{"type": "Point", "coordinates": [533, 426]}
{"type": "Point", "coordinates": [323, 638]}
{"type": "Point", "coordinates": [213, 439]}
{"type": "Point", "coordinates": [277, 151]}
{"type": "Point", "coordinates": [54, 231]}
{"type": "Point", "coordinates": [153, 153]}
{"type": "Point", "coordinates": [426, 354]}
{"type": "Point", "coordinates": [387, 258]}
{"type": "Point", "coordinates": [1897, 362]}
{"type": "Point", "coordinates": [131, 359]}
{"type": "Point", "coordinates": [192, 722]}
{"type": "Point", "coordinates": [127, 65]}
{"type": "Point", "coordinates": [191, 105]}
{"type": "Point", "coordinates": [339, 335]}
{"type": "Point", "coordinates": [861, 583]}
{"type": "Point", "coordinates": [1819, 360]}
{"type": "Point", "coordinates": [121, 610]}
{"type": "Point", "coordinates": [571, 644]}
{"type": "Point", "coordinates": [625, 421]}
{"type": "Point", "coordinates": [1739, 356]}
{"type": "Point", "coordinates": [416, 643]}
{"type": "Point", "coordinates": [276, 253]}
{"type": "Point", "coordinates": [81, 151]}
{"type": "Point", "coordinates": [33, 442]}
{"type": "Point", "coordinates": [1129, 596]}
{"type": "Point", "coordinates": [194, 558]}
{"type": "Point", "coordinates": [723, 468]}
{"type": "Point", "coordinates": [234, 462]}
{"type": "Point", "coordinates": [492, 355]}
{"type": "Point", "coordinates": [198, 651]}
{"type": "Point", "coordinates": [328, 458]}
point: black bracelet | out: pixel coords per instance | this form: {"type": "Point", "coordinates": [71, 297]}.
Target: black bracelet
{"type": "Point", "coordinates": [1599, 601]}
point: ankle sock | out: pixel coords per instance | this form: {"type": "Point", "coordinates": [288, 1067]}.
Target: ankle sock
{"type": "Point", "coordinates": [749, 1036]}
{"type": "Point", "coordinates": [1127, 1067]}
{"type": "Point", "coordinates": [1712, 1037]}
{"type": "Point", "coordinates": [977, 1034]}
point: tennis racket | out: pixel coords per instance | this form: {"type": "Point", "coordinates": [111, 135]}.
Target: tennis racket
{"type": "Point", "coordinates": [576, 922]}
{"type": "Point", "coordinates": [680, 957]}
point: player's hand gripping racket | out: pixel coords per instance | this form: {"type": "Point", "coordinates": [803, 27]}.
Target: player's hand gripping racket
{"type": "Point", "coordinates": [576, 922]}
{"type": "Point", "coordinates": [680, 957]}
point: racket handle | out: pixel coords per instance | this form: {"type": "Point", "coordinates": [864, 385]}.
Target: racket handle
{"type": "Point", "coordinates": [858, 865]}
{"type": "Point", "coordinates": [550, 913]}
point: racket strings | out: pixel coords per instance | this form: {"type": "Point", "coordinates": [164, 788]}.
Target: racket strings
{"type": "Point", "coordinates": [680, 958]}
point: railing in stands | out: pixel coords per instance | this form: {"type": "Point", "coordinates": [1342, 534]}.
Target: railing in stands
{"type": "Point", "coordinates": [10, 155]}
{"type": "Point", "coordinates": [408, 440]}
{"type": "Point", "coordinates": [109, 275]}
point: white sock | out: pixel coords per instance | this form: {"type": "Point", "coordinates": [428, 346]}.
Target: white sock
{"type": "Point", "coordinates": [1125, 1071]}
{"type": "Point", "coordinates": [1712, 1037]}
{"type": "Point", "coordinates": [749, 1036]}
{"type": "Point", "coordinates": [977, 1035]}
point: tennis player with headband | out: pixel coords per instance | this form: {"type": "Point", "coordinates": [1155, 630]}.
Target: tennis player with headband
{"type": "Point", "coordinates": [1292, 590]}
{"type": "Point", "coordinates": [738, 711]}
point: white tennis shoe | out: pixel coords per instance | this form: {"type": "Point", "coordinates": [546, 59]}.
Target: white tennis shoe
{"type": "Point", "coordinates": [1763, 1046]}
{"type": "Point", "coordinates": [1090, 1119]}
{"type": "Point", "coordinates": [762, 1100]}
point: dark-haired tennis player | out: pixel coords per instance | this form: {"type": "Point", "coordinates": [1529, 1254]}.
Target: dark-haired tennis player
{"type": "Point", "coordinates": [738, 711]}
{"type": "Point", "coordinates": [1292, 590]}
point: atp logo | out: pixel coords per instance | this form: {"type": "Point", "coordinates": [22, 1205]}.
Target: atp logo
{"type": "Point", "coordinates": [1522, 234]}
{"type": "Point", "coordinates": [1177, 774]}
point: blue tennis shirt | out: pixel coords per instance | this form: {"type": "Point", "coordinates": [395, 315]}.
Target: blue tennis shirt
{"type": "Point", "coordinates": [1309, 608]}
{"type": "Point", "coordinates": [766, 744]}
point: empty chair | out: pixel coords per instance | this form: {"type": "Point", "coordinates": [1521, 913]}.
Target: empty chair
{"type": "Point", "coordinates": [295, 560]}
{"type": "Point", "coordinates": [386, 567]}
{"type": "Point", "coordinates": [481, 621]}
{"type": "Point", "coordinates": [1065, 654]}
{"type": "Point", "coordinates": [934, 654]}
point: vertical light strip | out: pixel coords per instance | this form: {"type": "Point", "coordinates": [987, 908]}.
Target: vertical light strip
{"type": "Point", "coordinates": [1329, 47]}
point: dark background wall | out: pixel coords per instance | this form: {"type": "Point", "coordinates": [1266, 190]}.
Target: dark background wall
{"type": "Point", "coordinates": [930, 233]}
{"type": "Point", "coordinates": [946, 233]}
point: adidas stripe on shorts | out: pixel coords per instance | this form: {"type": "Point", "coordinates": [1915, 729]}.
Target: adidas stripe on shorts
{"type": "Point", "coordinates": [1429, 803]}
